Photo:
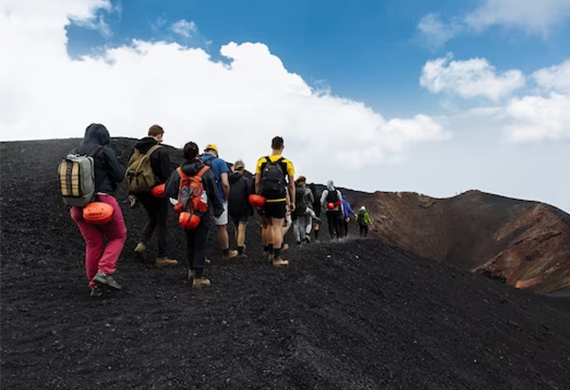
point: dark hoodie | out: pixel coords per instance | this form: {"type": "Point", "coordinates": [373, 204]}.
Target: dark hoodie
{"type": "Point", "coordinates": [240, 189]}
{"type": "Point", "coordinates": [159, 159]}
{"type": "Point", "coordinates": [190, 168]}
{"type": "Point", "coordinates": [108, 172]}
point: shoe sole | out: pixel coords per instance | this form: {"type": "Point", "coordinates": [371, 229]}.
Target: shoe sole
{"type": "Point", "coordinates": [101, 284]}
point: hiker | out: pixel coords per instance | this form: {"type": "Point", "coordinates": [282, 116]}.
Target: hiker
{"type": "Point", "coordinates": [239, 208]}
{"type": "Point", "coordinates": [158, 169]}
{"type": "Point", "coordinates": [331, 201]}
{"type": "Point", "coordinates": [302, 215]}
{"type": "Point", "coordinates": [274, 174]}
{"type": "Point", "coordinates": [100, 258]}
{"type": "Point", "coordinates": [348, 212]}
{"type": "Point", "coordinates": [197, 237]}
{"type": "Point", "coordinates": [317, 209]}
{"type": "Point", "coordinates": [364, 221]}
{"type": "Point", "coordinates": [221, 171]}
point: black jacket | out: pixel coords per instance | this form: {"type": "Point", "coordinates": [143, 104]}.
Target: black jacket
{"type": "Point", "coordinates": [240, 189]}
{"type": "Point", "coordinates": [108, 172]}
{"type": "Point", "coordinates": [159, 159]}
{"type": "Point", "coordinates": [190, 168]}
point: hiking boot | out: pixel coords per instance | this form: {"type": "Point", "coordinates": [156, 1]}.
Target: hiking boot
{"type": "Point", "coordinates": [200, 282]}
{"type": "Point", "coordinates": [207, 261]}
{"type": "Point", "coordinates": [141, 250]}
{"type": "Point", "coordinates": [285, 247]}
{"type": "Point", "coordinates": [307, 240]}
{"type": "Point", "coordinates": [278, 261]}
{"type": "Point", "coordinates": [230, 255]}
{"type": "Point", "coordinates": [96, 292]}
{"type": "Point", "coordinates": [102, 278]}
{"type": "Point", "coordinates": [165, 261]}
{"type": "Point", "coordinates": [191, 274]}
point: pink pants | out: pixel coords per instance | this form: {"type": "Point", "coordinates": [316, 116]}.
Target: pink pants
{"type": "Point", "coordinates": [98, 257]}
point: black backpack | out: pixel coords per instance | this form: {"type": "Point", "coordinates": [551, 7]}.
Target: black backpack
{"type": "Point", "coordinates": [332, 197]}
{"type": "Point", "coordinates": [300, 200]}
{"type": "Point", "coordinates": [273, 179]}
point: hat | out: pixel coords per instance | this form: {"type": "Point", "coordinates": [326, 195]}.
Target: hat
{"type": "Point", "coordinates": [363, 208]}
{"type": "Point", "coordinates": [211, 147]}
{"type": "Point", "coordinates": [239, 165]}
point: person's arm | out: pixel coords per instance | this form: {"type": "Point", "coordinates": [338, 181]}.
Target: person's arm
{"type": "Point", "coordinates": [225, 185]}
{"type": "Point", "coordinates": [172, 184]}
{"type": "Point", "coordinates": [324, 198]}
{"type": "Point", "coordinates": [291, 193]}
{"type": "Point", "coordinates": [116, 173]}
{"type": "Point", "coordinates": [212, 191]}
{"type": "Point", "coordinates": [258, 177]}
{"type": "Point", "coordinates": [164, 165]}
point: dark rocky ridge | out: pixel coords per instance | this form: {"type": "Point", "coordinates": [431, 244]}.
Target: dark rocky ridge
{"type": "Point", "coordinates": [362, 315]}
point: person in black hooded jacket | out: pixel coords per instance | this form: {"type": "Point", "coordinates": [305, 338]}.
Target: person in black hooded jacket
{"type": "Point", "coordinates": [100, 257]}
{"type": "Point", "coordinates": [239, 208]}
{"type": "Point", "coordinates": [197, 238]}
{"type": "Point", "coordinates": [156, 208]}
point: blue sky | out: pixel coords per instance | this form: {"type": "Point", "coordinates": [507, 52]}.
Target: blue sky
{"type": "Point", "coordinates": [365, 50]}
{"type": "Point", "coordinates": [436, 97]}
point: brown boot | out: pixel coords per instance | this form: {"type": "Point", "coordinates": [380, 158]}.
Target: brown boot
{"type": "Point", "coordinates": [141, 250]}
{"type": "Point", "coordinates": [278, 262]}
{"type": "Point", "coordinates": [200, 282]}
{"type": "Point", "coordinates": [165, 261]}
{"type": "Point", "coordinates": [230, 255]}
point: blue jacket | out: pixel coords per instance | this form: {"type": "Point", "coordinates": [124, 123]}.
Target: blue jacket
{"type": "Point", "coordinates": [108, 172]}
{"type": "Point", "coordinates": [348, 211]}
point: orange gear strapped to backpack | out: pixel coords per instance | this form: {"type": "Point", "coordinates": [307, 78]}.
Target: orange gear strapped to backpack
{"type": "Point", "coordinates": [191, 195]}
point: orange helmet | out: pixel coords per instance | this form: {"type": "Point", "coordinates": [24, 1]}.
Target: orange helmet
{"type": "Point", "coordinates": [188, 221]}
{"type": "Point", "coordinates": [158, 191]}
{"type": "Point", "coordinates": [98, 213]}
{"type": "Point", "coordinates": [256, 200]}
{"type": "Point", "coordinates": [330, 206]}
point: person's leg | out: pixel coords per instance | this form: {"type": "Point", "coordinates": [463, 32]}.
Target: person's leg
{"type": "Point", "coordinates": [94, 244]}
{"type": "Point", "coordinates": [116, 234]}
{"type": "Point", "coordinates": [296, 230]}
{"type": "Point", "coordinates": [302, 226]}
{"type": "Point", "coordinates": [241, 227]}
{"type": "Point", "coordinates": [361, 227]}
{"type": "Point", "coordinates": [338, 228]}
{"type": "Point", "coordinates": [365, 231]}
{"type": "Point", "coordinates": [162, 225]}
{"type": "Point", "coordinates": [222, 223]}
{"type": "Point", "coordinates": [331, 220]}
{"type": "Point", "coordinates": [150, 204]}
{"type": "Point", "coordinates": [199, 258]}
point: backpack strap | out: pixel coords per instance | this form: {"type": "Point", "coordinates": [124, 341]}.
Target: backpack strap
{"type": "Point", "coordinates": [151, 150]}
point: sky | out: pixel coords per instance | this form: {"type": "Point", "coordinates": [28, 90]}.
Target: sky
{"type": "Point", "coordinates": [435, 97]}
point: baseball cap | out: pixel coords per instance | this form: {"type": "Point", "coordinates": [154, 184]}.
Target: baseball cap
{"type": "Point", "coordinates": [211, 147]}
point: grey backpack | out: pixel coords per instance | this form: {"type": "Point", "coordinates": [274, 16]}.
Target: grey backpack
{"type": "Point", "coordinates": [76, 175]}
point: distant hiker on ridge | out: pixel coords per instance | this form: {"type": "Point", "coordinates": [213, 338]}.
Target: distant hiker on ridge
{"type": "Point", "coordinates": [150, 160]}
{"type": "Point", "coordinates": [239, 208]}
{"type": "Point", "coordinates": [348, 212]}
{"type": "Point", "coordinates": [331, 201]}
{"type": "Point", "coordinates": [273, 174]}
{"type": "Point", "coordinates": [364, 221]}
{"type": "Point", "coordinates": [221, 171]}
{"type": "Point", "coordinates": [302, 215]}
{"type": "Point", "coordinates": [197, 236]}
{"type": "Point", "coordinates": [100, 259]}
{"type": "Point", "coordinates": [317, 209]}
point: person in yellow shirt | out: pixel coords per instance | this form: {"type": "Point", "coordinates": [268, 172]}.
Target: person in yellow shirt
{"type": "Point", "coordinates": [273, 176]}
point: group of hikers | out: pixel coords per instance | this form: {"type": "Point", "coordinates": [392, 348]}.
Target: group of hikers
{"type": "Point", "coordinates": [203, 189]}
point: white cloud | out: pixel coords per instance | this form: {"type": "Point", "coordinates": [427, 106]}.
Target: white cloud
{"type": "Point", "coordinates": [537, 118]}
{"type": "Point", "coordinates": [536, 16]}
{"type": "Point", "coordinates": [435, 33]}
{"type": "Point", "coordinates": [555, 78]}
{"type": "Point", "coordinates": [185, 28]}
{"type": "Point", "coordinates": [470, 78]}
{"type": "Point", "coordinates": [240, 106]}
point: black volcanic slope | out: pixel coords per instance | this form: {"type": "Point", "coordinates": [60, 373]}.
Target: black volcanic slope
{"type": "Point", "coordinates": [357, 315]}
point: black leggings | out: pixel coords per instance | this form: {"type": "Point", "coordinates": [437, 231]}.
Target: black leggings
{"type": "Point", "coordinates": [157, 210]}
{"type": "Point", "coordinates": [196, 246]}
{"type": "Point", "coordinates": [333, 221]}
{"type": "Point", "coordinates": [363, 230]}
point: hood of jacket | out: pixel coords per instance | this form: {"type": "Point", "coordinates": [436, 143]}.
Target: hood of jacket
{"type": "Point", "coordinates": [192, 167]}
{"type": "Point", "coordinates": [330, 185]}
{"type": "Point", "coordinates": [234, 177]}
{"type": "Point", "coordinates": [143, 145]}
{"type": "Point", "coordinates": [96, 133]}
